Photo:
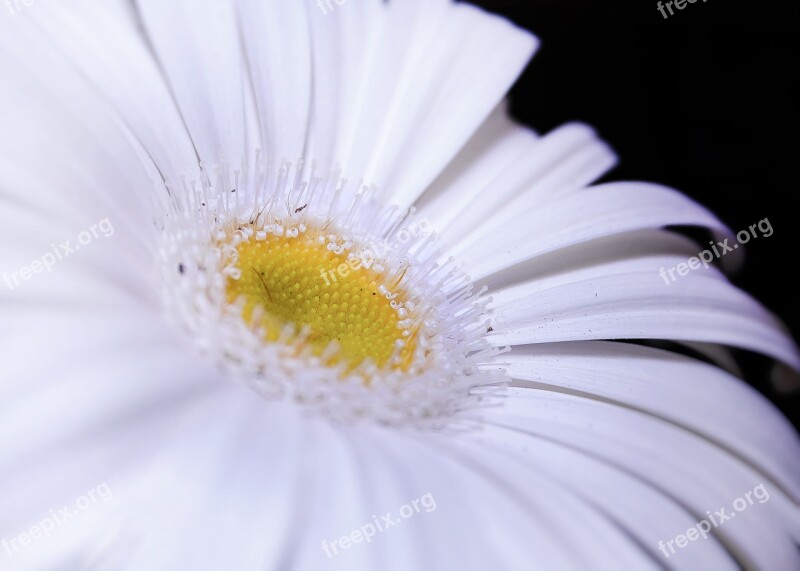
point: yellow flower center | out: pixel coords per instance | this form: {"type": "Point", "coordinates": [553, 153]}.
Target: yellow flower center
{"type": "Point", "coordinates": [298, 280]}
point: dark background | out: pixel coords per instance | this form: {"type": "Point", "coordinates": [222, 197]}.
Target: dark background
{"type": "Point", "coordinates": [705, 102]}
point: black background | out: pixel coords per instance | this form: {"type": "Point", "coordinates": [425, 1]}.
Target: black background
{"type": "Point", "coordinates": [705, 102]}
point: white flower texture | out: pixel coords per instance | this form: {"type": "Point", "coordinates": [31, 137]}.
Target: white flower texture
{"type": "Point", "coordinates": [548, 440]}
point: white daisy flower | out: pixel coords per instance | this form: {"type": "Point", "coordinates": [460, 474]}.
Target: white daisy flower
{"type": "Point", "coordinates": [285, 288]}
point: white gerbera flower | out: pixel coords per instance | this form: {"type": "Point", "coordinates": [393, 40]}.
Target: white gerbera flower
{"type": "Point", "coordinates": [240, 328]}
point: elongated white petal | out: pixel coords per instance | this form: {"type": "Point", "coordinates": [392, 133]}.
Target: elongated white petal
{"type": "Point", "coordinates": [98, 174]}
{"type": "Point", "coordinates": [627, 501]}
{"type": "Point", "coordinates": [483, 57]}
{"type": "Point", "coordinates": [577, 218]}
{"type": "Point", "coordinates": [411, 123]}
{"type": "Point", "coordinates": [638, 251]}
{"type": "Point", "coordinates": [639, 305]}
{"type": "Point", "coordinates": [198, 48]}
{"type": "Point", "coordinates": [276, 39]}
{"type": "Point", "coordinates": [507, 169]}
{"type": "Point", "coordinates": [670, 459]}
{"type": "Point", "coordinates": [126, 75]}
{"type": "Point", "coordinates": [699, 397]}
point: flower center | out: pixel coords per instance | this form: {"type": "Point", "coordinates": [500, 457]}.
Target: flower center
{"type": "Point", "coordinates": [310, 288]}
{"type": "Point", "coordinates": [327, 299]}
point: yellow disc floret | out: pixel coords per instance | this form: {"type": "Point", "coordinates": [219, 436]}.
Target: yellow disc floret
{"type": "Point", "coordinates": [298, 280]}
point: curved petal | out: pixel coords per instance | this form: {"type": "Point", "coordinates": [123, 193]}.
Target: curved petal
{"type": "Point", "coordinates": [577, 218]}
{"type": "Point", "coordinates": [101, 42]}
{"type": "Point", "coordinates": [639, 305]}
{"type": "Point", "coordinates": [696, 474]}
{"type": "Point", "coordinates": [198, 48]}
{"type": "Point", "coordinates": [698, 397]}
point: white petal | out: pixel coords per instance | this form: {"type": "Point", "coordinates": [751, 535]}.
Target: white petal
{"type": "Point", "coordinates": [198, 47]}
{"type": "Point", "coordinates": [276, 38]}
{"type": "Point", "coordinates": [577, 218]}
{"type": "Point", "coordinates": [439, 70]}
{"type": "Point", "coordinates": [507, 169]}
{"type": "Point", "coordinates": [639, 305]}
{"type": "Point", "coordinates": [101, 41]}
{"type": "Point", "coordinates": [637, 251]}
{"type": "Point", "coordinates": [97, 174]}
{"type": "Point", "coordinates": [697, 474]}
{"type": "Point", "coordinates": [625, 500]}
{"type": "Point", "coordinates": [699, 397]}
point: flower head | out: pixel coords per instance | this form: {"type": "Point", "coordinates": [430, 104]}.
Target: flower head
{"type": "Point", "coordinates": [351, 315]}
